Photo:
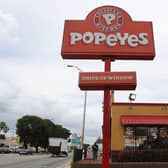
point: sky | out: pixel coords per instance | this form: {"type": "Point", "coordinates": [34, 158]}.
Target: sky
{"type": "Point", "coordinates": [35, 80]}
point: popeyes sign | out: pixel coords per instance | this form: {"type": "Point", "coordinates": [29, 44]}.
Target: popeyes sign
{"type": "Point", "coordinates": [108, 31]}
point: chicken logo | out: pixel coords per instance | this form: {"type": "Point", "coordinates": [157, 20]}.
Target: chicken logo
{"type": "Point", "coordinates": [108, 19]}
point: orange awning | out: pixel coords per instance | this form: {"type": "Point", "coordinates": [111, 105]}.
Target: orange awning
{"type": "Point", "coordinates": [144, 120]}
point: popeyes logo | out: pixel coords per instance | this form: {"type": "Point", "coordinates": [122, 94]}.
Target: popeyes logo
{"type": "Point", "coordinates": [108, 19]}
{"type": "Point", "coordinates": [108, 31]}
{"type": "Point", "coordinates": [111, 40]}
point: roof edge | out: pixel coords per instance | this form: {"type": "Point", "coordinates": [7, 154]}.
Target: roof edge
{"type": "Point", "coordinates": [140, 104]}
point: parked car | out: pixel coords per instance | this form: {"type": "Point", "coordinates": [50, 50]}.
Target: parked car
{"type": "Point", "coordinates": [5, 149]}
{"type": "Point", "coordinates": [19, 149]}
{"type": "Point", "coordinates": [25, 151]}
{"type": "Point", "coordinates": [12, 149]}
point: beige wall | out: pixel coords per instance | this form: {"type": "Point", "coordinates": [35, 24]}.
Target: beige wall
{"type": "Point", "coordinates": [119, 109]}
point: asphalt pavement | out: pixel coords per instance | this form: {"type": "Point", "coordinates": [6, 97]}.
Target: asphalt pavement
{"type": "Point", "coordinates": [33, 161]}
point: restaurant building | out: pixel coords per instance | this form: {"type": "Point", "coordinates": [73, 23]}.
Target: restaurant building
{"type": "Point", "coordinates": [139, 126]}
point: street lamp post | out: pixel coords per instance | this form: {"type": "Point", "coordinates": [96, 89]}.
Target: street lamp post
{"type": "Point", "coordinates": [84, 109]}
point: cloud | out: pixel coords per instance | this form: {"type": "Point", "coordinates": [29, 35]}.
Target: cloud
{"type": "Point", "coordinates": [35, 80]}
{"type": "Point", "coordinates": [8, 27]}
{"type": "Point", "coordinates": [40, 89]}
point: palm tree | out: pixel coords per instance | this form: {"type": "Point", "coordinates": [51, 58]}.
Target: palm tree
{"type": "Point", "coordinates": [3, 127]}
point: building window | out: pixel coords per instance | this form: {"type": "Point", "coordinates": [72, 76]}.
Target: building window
{"type": "Point", "coordinates": [138, 137]}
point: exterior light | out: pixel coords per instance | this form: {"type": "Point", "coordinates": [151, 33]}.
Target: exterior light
{"type": "Point", "coordinates": [132, 97]}
{"type": "Point", "coordinates": [73, 66]}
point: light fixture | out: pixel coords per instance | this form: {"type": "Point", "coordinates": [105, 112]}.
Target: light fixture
{"type": "Point", "coordinates": [132, 96]}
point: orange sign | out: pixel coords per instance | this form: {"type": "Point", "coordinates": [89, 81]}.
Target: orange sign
{"type": "Point", "coordinates": [112, 80]}
{"type": "Point", "coordinates": [108, 31]}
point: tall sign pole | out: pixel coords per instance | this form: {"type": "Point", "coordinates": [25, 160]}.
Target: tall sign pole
{"type": "Point", "coordinates": [106, 120]}
{"type": "Point", "coordinates": [108, 33]}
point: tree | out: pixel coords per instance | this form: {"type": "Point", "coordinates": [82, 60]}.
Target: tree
{"type": "Point", "coordinates": [60, 132]}
{"type": "Point", "coordinates": [2, 136]}
{"type": "Point", "coordinates": [49, 128]}
{"type": "Point", "coordinates": [35, 131]}
{"type": "Point", "coordinates": [53, 130]}
{"type": "Point", "coordinates": [3, 127]}
{"type": "Point", "coordinates": [31, 130]}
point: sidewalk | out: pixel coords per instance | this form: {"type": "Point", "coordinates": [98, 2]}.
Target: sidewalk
{"type": "Point", "coordinates": [66, 165]}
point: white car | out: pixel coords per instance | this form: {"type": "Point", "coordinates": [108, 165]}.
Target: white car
{"type": "Point", "coordinates": [25, 152]}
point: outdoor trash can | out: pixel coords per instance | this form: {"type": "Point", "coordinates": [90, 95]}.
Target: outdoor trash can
{"type": "Point", "coordinates": [77, 155]}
